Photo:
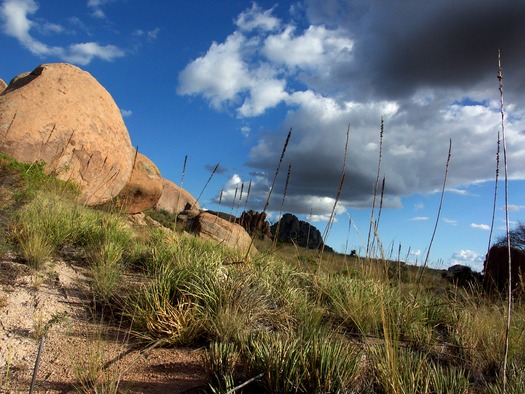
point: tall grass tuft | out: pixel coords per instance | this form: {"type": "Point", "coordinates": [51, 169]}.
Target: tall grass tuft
{"type": "Point", "coordinates": [311, 362]}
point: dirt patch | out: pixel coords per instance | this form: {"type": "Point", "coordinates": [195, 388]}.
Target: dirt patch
{"type": "Point", "coordinates": [78, 347]}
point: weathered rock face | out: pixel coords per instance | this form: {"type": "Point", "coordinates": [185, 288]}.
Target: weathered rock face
{"type": "Point", "coordinates": [210, 226]}
{"type": "Point", "coordinates": [175, 199]}
{"type": "Point", "coordinates": [300, 232]}
{"type": "Point", "coordinates": [61, 115]}
{"type": "Point", "coordinates": [255, 223]}
{"type": "Point", "coordinates": [144, 188]}
{"type": "Point", "coordinates": [3, 85]}
{"type": "Point", "coordinates": [496, 268]}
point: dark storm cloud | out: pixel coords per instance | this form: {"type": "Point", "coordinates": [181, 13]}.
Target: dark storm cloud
{"type": "Point", "coordinates": [405, 45]}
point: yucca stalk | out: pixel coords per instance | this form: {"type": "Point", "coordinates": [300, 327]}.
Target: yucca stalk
{"type": "Point", "coordinates": [276, 236]}
{"type": "Point", "coordinates": [233, 201]}
{"type": "Point", "coordinates": [340, 188]}
{"type": "Point", "coordinates": [206, 184]}
{"type": "Point", "coordinates": [495, 197]}
{"type": "Point", "coordinates": [240, 199]}
{"type": "Point", "coordinates": [507, 224]}
{"type": "Point", "coordinates": [376, 225]}
{"type": "Point", "coordinates": [248, 195]}
{"type": "Point", "coordinates": [267, 203]}
{"type": "Point", "coordinates": [375, 187]}
{"type": "Point", "coordinates": [425, 263]}
{"type": "Point", "coordinates": [183, 170]}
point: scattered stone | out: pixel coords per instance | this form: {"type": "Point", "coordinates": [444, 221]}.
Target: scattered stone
{"type": "Point", "coordinates": [61, 115]}
{"type": "Point", "coordinates": [209, 226]}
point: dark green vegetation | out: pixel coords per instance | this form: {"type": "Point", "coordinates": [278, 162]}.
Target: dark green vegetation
{"type": "Point", "coordinates": [284, 321]}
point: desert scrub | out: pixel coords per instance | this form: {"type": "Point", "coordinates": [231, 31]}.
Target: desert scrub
{"type": "Point", "coordinates": [313, 361]}
{"type": "Point", "coordinates": [479, 335]}
{"type": "Point", "coordinates": [397, 370]}
{"type": "Point", "coordinates": [352, 304]}
{"type": "Point", "coordinates": [185, 303]}
{"type": "Point", "coordinates": [222, 364]}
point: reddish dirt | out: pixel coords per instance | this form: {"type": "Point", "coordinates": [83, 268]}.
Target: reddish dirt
{"type": "Point", "coordinates": [28, 300]}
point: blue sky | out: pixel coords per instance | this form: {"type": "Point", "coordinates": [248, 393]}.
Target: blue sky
{"type": "Point", "coordinates": [224, 81]}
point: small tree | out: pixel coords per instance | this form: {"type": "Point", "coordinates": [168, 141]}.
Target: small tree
{"type": "Point", "coordinates": [517, 237]}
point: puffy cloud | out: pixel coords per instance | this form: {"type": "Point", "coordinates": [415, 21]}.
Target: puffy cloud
{"type": "Point", "coordinates": [16, 23]}
{"type": "Point", "coordinates": [314, 48]}
{"type": "Point", "coordinates": [220, 75]}
{"type": "Point", "coordinates": [469, 258]}
{"type": "Point", "coordinates": [126, 113]}
{"type": "Point", "coordinates": [476, 226]}
{"type": "Point", "coordinates": [84, 53]}
{"type": "Point", "coordinates": [255, 18]}
{"type": "Point", "coordinates": [96, 6]}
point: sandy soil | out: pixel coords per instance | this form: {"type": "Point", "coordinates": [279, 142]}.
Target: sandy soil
{"type": "Point", "coordinates": [76, 344]}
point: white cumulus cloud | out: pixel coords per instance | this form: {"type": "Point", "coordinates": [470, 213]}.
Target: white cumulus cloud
{"type": "Point", "coordinates": [256, 18]}
{"type": "Point", "coordinates": [476, 226]}
{"type": "Point", "coordinates": [16, 14]}
{"type": "Point", "coordinates": [469, 258]}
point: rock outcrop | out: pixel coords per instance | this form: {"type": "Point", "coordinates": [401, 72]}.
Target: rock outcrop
{"type": "Point", "coordinates": [3, 85]}
{"type": "Point", "coordinates": [255, 223]}
{"type": "Point", "coordinates": [175, 199]}
{"type": "Point", "coordinates": [62, 116]}
{"type": "Point", "coordinates": [462, 276]}
{"type": "Point", "coordinates": [496, 269]}
{"type": "Point", "coordinates": [144, 188]}
{"type": "Point", "coordinates": [302, 233]}
{"type": "Point", "coordinates": [209, 226]}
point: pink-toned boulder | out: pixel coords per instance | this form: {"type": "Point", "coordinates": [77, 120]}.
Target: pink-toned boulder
{"type": "Point", "coordinates": [144, 188]}
{"type": "Point", "coordinates": [61, 115]}
{"type": "Point", "coordinates": [3, 85]}
{"type": "Point", "coordinates": [175, 199]}
{"type": "Point", "coordinates": [232, 235]}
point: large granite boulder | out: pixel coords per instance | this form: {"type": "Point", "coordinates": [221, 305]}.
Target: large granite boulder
{"type": "Point", "coordinates": [3, 85]}
{"type": "Point", "coordinates": [302, 233]}
{"type": "Point", "coordinates": [209, 226]}
{"type": "Point", "coordinates": [496, 269]}
{"type": "Point", "coordinates": [144, 188]}
{"type": "Point", "coordinates": [62, 116]}
{"type": "Point", "coordinates": [175, 199]}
